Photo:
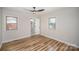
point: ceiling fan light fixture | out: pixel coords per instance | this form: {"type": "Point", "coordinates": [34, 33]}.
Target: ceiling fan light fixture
{"type": "Point", "coordinates": [34, 12]}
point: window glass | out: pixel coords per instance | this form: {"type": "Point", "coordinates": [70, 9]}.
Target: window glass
{"type": "Point", "coordinates": [52, 23]}
{"type": "Point", "coordinates": [11, 23]}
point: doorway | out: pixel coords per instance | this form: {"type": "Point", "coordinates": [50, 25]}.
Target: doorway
{"type": "Point", "coordinates": [35, 26]}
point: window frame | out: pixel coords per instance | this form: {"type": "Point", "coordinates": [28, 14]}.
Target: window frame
{"type": "Point", "coordinates": [53, 27]}
{"type": "Point", "coordinates": [7, 29]}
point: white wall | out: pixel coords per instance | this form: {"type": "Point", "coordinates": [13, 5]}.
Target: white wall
{"type": "Point", "coordinates": [23, 25]}
{"type": "Point", "coordinates": [0, 26]}
{"type": "Point", "coordinates": [78, 28]}
{"type": "Point", "coordinates": [66, 25]}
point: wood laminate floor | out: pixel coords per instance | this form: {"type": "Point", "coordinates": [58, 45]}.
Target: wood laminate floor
{"type": "Point", "coordinates": [37, 43]}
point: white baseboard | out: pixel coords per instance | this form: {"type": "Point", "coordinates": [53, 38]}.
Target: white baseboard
{"type": "Point", "coordinates": [61, 41]}
{"type": "Point", "coordinates": [15, 39]}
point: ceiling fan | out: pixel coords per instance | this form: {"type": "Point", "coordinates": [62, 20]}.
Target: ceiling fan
{"type": "Point", "coordinates": [34, 10]}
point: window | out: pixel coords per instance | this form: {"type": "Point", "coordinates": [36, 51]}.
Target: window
{"type": "Point", "coordinates": [52, 23]}
{"type": "Point", "coordinates": [11, 23]}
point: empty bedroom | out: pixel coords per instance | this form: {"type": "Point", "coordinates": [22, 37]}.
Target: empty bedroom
{"type": "Point", "coordinates": [39, 29]}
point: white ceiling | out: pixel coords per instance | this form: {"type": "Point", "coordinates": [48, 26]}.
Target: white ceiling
{"type": "Point", "coordinates": [23, 9]}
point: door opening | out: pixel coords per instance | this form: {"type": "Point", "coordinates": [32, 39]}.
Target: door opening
{"type": "Point", "coordinates": [35, 26]}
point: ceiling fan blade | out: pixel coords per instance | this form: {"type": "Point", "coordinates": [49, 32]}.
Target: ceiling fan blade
{"type": "Point", "coordinates": [37, 10]}
{"type": "Point", "coordinates": [41, 10]}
